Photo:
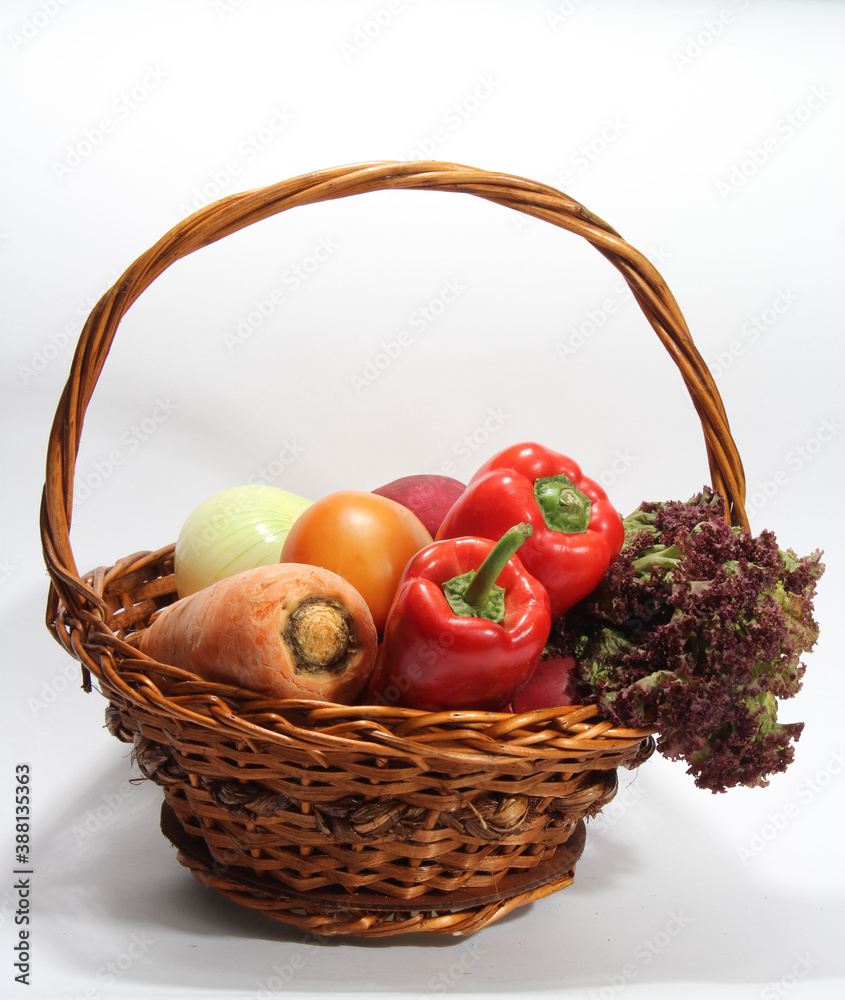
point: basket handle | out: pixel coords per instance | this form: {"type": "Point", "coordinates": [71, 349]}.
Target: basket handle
{"type": "Point", "coordinates": [235, 212]}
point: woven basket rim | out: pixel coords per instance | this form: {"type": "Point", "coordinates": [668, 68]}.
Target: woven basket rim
{"type": "Point", "coordinates": [322, 728]}
{"type": "Point", "coordinates": [129, 676]}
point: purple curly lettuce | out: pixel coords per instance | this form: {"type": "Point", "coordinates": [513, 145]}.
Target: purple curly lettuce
{"type": "Point", "coordinates": [697, 630]}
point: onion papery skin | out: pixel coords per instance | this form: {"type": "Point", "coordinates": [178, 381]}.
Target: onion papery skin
{"type": "Point", "coordinates": [232, 531]}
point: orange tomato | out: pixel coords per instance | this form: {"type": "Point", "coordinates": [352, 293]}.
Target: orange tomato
{"type": "Point", "coordinates": [365, 538]}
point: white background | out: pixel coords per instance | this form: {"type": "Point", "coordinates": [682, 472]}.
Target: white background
{"type": "Point", "coordinates": [709, 133]}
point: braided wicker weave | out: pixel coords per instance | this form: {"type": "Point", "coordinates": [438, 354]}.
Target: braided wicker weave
{"type": "Point", "coordinates": [362, 820]}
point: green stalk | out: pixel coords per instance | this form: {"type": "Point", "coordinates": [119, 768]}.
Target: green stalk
{"type": "Point", "coordinates": [563, 506]}
{"type": "Point", "coordinates": [475, 595]}
{"type": "Point", "coordinates": [478, 592]}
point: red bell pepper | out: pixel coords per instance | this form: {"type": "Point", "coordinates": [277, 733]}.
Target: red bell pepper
{"type": "Point", "coordinates": [466, 628]}
{"type": "Point", "coordinates": [577, 531]}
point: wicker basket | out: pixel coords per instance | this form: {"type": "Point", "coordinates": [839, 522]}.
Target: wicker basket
{"type": "Point", "coordinates": [365, 820]}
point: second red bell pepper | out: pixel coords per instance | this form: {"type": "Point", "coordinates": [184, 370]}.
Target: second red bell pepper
{"type": "Point", "coordinates": [466, 629]}
{"type": "Point", "coordinates": [577, 531]}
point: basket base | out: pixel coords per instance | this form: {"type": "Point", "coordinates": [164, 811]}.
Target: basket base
{"type": "Point", "coordinates": [324, 914]}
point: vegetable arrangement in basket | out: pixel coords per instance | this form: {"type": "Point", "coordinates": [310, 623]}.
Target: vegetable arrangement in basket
{"type": "Point", "coordinates": [669, 619]}
{"type": "Point", "coordinates": [390, 712]}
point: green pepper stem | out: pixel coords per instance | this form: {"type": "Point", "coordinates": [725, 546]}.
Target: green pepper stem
{"type": "Point", "coordinates": [563, 506]}
{"type": "Point", "coordinates": [478, 592]}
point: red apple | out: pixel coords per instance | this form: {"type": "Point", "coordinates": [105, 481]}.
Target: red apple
{"type": "Point", "coordinates": [552, 683]}
{"type": "Point", "coordinates": [430, 497]}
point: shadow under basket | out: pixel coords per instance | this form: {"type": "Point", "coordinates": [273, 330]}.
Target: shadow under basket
{"type": "Point", "coordinates": [366, 820]}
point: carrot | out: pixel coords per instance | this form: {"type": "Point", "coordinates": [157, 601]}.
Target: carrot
{"type": "Point", "coordinates": [286, 630]}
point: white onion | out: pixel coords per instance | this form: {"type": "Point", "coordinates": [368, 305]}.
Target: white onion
{"type": "Point", "coordinates": [234, 530]}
